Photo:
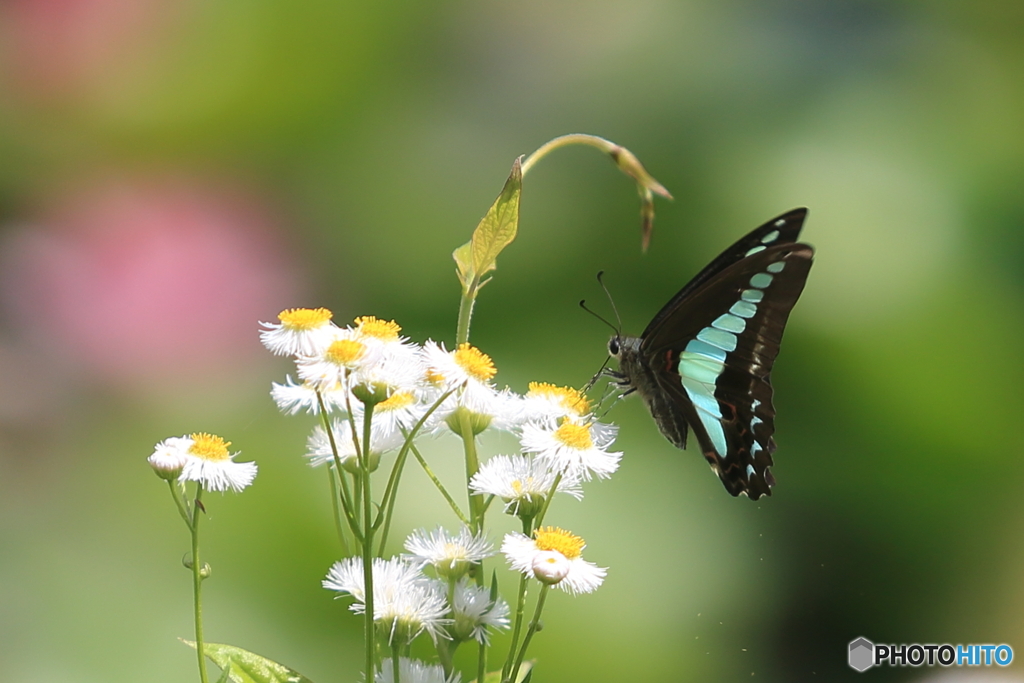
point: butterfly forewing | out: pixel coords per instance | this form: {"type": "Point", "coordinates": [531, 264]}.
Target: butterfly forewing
{"type": "Point", "coordinates": [706, 358]}
{"type": "Point", "coordinates": [784, 229]}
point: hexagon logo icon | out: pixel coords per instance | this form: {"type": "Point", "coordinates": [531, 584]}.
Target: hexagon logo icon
{"type": "Point", "coordinates": [862, 654]}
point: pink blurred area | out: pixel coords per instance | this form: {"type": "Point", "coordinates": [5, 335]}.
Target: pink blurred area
{"type": "Point", "coordinates": [58, 46]}
{"type": "Point", "coordinates": [147, 281]}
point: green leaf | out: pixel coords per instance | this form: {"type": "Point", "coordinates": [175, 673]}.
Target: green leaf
{"type": "Point", "coordinates": [498, 228]}
{"type": "Point", "coordinates": [464, 263]}
{"type": "Point", "coordinates": [242, 666]}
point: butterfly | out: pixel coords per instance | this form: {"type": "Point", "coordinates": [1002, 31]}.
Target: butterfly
{"type": "Point", "coordinates": [705, 360]}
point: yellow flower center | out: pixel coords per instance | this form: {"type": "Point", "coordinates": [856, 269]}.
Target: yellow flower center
{"type": "Point", "coordinates": [434, 377]}
{"type": "Point", "coordinates": [454, 551]}
{"type": "Point", "coordinates": [209, 447]}
{"type": "Point", "coordinates": [475, 362]}
{"type": "Point", "coordinates": [345, 351]}
{"type": "Point", "coordinates": [559, 540]}
{"type": "Point", "coordinates": [301, 319]}
{"type": "Point", "coordinates": [385, 330]}
{"type": "Point", "coordinates": [396, 401]}
{"type": "Point", "coordinates": [518, 487]}
{"type": "Point", "coordinates": [574, 435]}
{"type": "Point", "coordinates": [571, 399]}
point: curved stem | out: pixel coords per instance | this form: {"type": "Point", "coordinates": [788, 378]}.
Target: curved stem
{"type": "Point", "coordinates": [179, 502]}
{"type": "Point", "coordinates": [197, 582]}
{"type": "Point", "coordinates": [606, 146]}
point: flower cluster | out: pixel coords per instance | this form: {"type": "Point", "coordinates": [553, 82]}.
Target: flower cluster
{"type": "Point", "coordinates": [342, 369]}
{"type": "Point", "coordinates": [375, 393]}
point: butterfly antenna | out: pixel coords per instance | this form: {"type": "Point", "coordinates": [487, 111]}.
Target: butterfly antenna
{"type": "Point", "coordinates": [618, 318]}
{"type": "Point", "coordinates": [583, 305]}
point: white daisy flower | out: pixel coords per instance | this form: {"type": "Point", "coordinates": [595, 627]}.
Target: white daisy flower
{"type": "Point", "coordinates": [399, 365]}
{"type": "Point", "coordinates": [465, 366]}
{"type": "Point", "coordinates": [302, 331]}
{"type": "Point", "coordinates": [169, 457]}
{"type": "Point", "coordinates": [473, 612]}
{"type": "Point", "coordinates": [208, 462]}
{"type": "Point", "coordinates": [553, 556]}
{"type": "Point", "coordinates": [469, 371]}
{"type": "Point", "coordinates": [383, 333]}
{"type": "Point", "coordinates": [346, 352]}
{"type": "Point", "coordinates": [319, 449]}
{"type": "Point", "coordinates": [451, 555]}
{"type": "Point", "coordinates": [413, 671]}
{"type": "Point", "coordinates": [522, 482]}
{"type": "Point", "coordinates": [405, 602]}
{"type": "Point", "coordinates": [291, 398]}
{"type": "Point", "coordinates": [579, 449]}
{"type": "Point", "coordinates": [545, 402]}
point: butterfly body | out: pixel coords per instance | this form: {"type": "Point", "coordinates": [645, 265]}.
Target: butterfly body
{"type": "Point", "coordinates": [704, 362]}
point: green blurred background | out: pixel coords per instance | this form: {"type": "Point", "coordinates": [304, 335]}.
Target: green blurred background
{"type": "Point", "coordinates": [173, 172]}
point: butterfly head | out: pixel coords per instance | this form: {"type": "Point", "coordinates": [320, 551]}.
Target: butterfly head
{"type": "Point", "coordinates": [615, 346]}
{"type": "Point", "coordinates": [621, 345]}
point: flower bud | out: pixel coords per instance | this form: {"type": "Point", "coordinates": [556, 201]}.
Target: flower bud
{"type": "Point", "coordinates": [550, 567]}
{"type": "Point", "coordinates": [168, 460]}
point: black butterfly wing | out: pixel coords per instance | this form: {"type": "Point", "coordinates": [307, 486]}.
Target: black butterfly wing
{"type": "Point", "coordinates": [713, 351]}
{"type": "Point", "coordinates": [784, 229]}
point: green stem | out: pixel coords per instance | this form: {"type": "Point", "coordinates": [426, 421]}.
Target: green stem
{"type": "Point", "coordinates": [337, 513]}
{"type": "Point", "coordinates": [606, 146]}
{"type": "Point", "coordinates": [395, 658]}
{"type": "Point", "coordinates": [342, 493]}
{"type": "Point", "coordinates": [179, 502]}
{"type": "Point", "coordinates": [197, 582]}
{"type": "Point", "coordinates": [445, 657]}
{"type": "Point", "coordinates": [481, 662]}
{"type": "Point", "coordinates": [391, 491]}
{"type": "Point", "coordinates": [364, 469]}
{"type": "Point", "coordinates": [476, 501]}
{"type": "Point", "coordinates": [547, 501]}
{"type": "Point", "coordinates": [520, 608]}
{"type": "Point", "coordinates": [487, 503]}
{"type": "Point", "coordinates": [360, 453]}
{"type": "Point", "coordinates": [440, 486]}
{"type": "Point", "coordinates": [544, 589]}
{"type": "Point", "coordinates": [466, 311]}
